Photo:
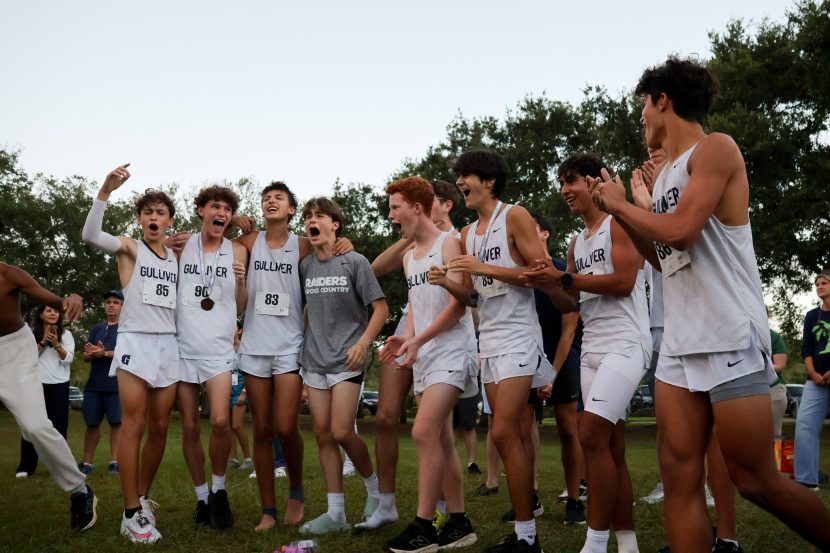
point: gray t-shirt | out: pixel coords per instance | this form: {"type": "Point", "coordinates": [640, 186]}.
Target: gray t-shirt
{"type": "Point", "coordinates": [337, 293]}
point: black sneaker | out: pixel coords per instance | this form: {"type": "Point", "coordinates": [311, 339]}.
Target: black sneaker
{"type": "Point", "coordinates": [202, 513]}
{"type": "Point", "coordinates": [220, 510]}
{"type": "Point", "coordinates": [574, 512]}
{"type": "Point", "coordinates": [456, 533]}
{"type": "Point", "coordinates": [511, 544]}
{"type": "Point", "coordinates": [538, 510]}
{"type": "Point", "coordinates": [722, 546]}
{"type": "Point", "coordinates": [482, 490]}
{"type": "Point", "coordinates": [666, 549]}
{"type": "Point", "coordinates": [415, 538]}
{"type": "Point", "coordinates": [472, 468]}
{"type": "Point", "coordinates": [83, 510]}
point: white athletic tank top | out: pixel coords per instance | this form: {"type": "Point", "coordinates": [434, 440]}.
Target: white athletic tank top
{"type": "Point", "coordinates": [507, 313]}
{"type": "Point", "coordinates": [150, 296]}
{"type": "Point", "coordinates": [427, 301]}
{"type": "Point", "coordinates": [274, 314]}
{"type": "Point", "coordinates": [610, 322]}
{"type": "Point", "coordinates": [713, 302]}
{"type": "Point", "coordinates": [206, 334]}
{"type": "Point", "coordinates": [655, 283]}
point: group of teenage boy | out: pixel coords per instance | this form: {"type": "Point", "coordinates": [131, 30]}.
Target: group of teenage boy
{"type": "Point", "coordinates": [313, 309]}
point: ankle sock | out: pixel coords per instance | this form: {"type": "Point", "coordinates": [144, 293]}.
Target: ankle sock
{"type": "Point", "coordinates": [441, 506]}
{"type": "Point", "coordinates": [596, 541]}
{"type": "Point", "coordinates": [130, 513]}
{"type": "Point", "coordinates": [387, 502]}
{"type": "Point", "coordinates": [371, 484]}
{"type": "Point", "coordinates": [526, 530]}
{"type": "Point", "coordinates": [337, 506]}
{"type": "Point", "coordinates": [626, 541]}
{"type": "Point", "coordinates": [217, 483]}
{"type": "Point", "coordinates": [202, 492]}
{"type": "Point", "coordinates": [296, 494]}
{"type": "Point", "coordinates": [270, 511]}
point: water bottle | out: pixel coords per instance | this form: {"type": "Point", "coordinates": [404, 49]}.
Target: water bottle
{"type": "Point", "coordinates": [301, 546]}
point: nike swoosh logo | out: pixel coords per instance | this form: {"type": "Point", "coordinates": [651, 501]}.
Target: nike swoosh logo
{"type": "Point", "coordinates": [733, 364]}
{"type": "Point", "coordinates": [603, 232]}
{"type": "Point", "coordinates": [433, 255]}
{"type": "Point", "coordinates": [287, 251]}
{"type": "Point", "coordinates": [595, 399]}
{"type": "Point", "coordinates": [525, 365]}
{"type": "Point", "coordinates": [496, 229]}
{"type": "Point", "coordinates": [221, 254]}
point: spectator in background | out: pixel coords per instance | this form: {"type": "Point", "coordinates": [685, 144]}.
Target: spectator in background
{"type": "Point", "coordinates": [238, 406]}
{"type": "Point", "coordinates": [815, 350]}
{"type": "Point", "coordinates": [56, 347]}
{"type": "Point", "coordinates": [778, 389]}
{"type": "Point", "coordinates": [101, 392]}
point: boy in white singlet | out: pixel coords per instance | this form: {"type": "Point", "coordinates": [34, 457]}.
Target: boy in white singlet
{"type": "Point", "coordinates": [438, 343]}
{"type": "Point", "coordinates": [211, 294]}
{"type": "Point", "coordinates": [339, 334]}
{"type": "Point", "coordinates": [714, 368]}
{"type": "Point", "coordinates": [395, 381]}
{"type": "Point", "coordinates": [146, 358]}
{"type": "Point", "coordinates": [496, 249]}
{"type": "Point", "coordinates": [269, 353]}
{"type": "Point", "coordinates": [604, 266]}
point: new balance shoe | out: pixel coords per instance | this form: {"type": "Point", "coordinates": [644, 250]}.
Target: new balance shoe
{"type": "Point", "coordinates": [139, 529]}
{"type": "Point", "coordinates": [21, 474]}
{"type": "Point", "coordinates": [583, 493]}
{"type": "Point", "coordinates": [149, 507]}
{"type": "Point", "coordinates": [538, 510]}
{"type": "Point", "coordinates": [112, 468]}
{"type": "Point", "coordinates": [456, 533]}
{"type": "Point", "coordinates": [202, 513]}
{"type": "Point", "coordinates": [415, 538]}
{"type": "Point", "coordinates": [83, 509]}
{"type": "Point", "coordinates": [220, 510]}
{"type": "Point", "coordinates": [512, 544]}
{"type": "Point", "coordinates": [574, 512]}
{"type": "Point", "coordinates": [85, 467]}
{"type": "Point", "coordinates": [723, 546]}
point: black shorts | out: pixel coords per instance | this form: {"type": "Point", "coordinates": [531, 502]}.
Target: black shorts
{"type": "Point", "coordinates": [98, 404]}
{"type": "Point", "coordinates": [566, 388]}
{"type": "Point", "coordinates": [464, 413]}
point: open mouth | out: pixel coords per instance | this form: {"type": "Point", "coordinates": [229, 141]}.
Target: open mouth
{"type": "Point", "coordinates": [218, 224]}
{"type": "Point", "coordinates": [271, 210]}
{"type": "Point", "coordinates": [397, 227]}
{"type": "Point", "coordinates": [465, 191]}
{"type": "Point", "coordinates": [313, 232]}
{"type": "Point", "coordinates": [152, 226]}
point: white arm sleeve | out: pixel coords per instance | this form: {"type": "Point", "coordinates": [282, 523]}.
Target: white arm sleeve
{"type": "Point", "coordinates": [92, 233]}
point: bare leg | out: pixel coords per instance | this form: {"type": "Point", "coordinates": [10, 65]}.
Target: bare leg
{"type": "Point", "coordinates": [219, 394]}
{"type": "Point", "coordinates": [91, 439]}
{"type": "Point", "coordinates": [288, 389]}
{"type": "Point", "coordinates": [493, 458]}
{"type": "Point", "coordinates": [470, 440]}
{"type": "Point", "coordinates": [723, 490]}
{"type": "Point", "coordinates": [160, 403]}
{"type": "Point", "coordinates": [623, 517]}
{"type": "Point", "coordinates": [238, 427]}
{"type": "Point", "coordinates": [595, 435]}
{"type": "Point", "coordinates": [261, 400]}
{"type": "Point", "coordinates": [133, 394]}
{"type": "Point", "coordinates": [394, 385]}
{"type": "Point", "coordinates": [744, 431]}
{"type": "Point", "coordinates": [344, 400]}
{"type": "Point", "coordinates": [572, 460]}
{"type": "Point", "coordinates": [115, 432]}
{"type": "Point", "coordinates": [328, 450]}
{"type": "Point", "coordinates": [187, 398]}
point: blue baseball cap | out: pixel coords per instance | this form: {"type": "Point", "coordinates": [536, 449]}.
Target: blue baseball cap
{"type": "Point", "coordinates": [114, 294]}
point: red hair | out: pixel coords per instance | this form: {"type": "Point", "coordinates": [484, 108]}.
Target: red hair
{"type": "Point", "coordinates": [415, 190]}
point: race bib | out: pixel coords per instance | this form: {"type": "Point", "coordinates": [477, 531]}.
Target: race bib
{"type": "Point", "coordinates": [671, 260]}
{"type": "Point", "coordinates": [489, 287]}
{"type": "Point", "coordinates": [193, 293]}
{"type": "Point", "coordinates": [272, 303]}
{"type": "Point", "coordinates": [585, 296]}
{"type": "Point", "coordinates": [159, 293]}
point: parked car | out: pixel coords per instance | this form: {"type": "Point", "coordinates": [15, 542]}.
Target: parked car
{"type": "Point", "coordinates": [76, 397]}
{"type": "Point", "coordinates": [641, 400]}
{"type": "Point", "coordinates": [369, 400]}
{"type": "Point", "coordinates": [794, 392]}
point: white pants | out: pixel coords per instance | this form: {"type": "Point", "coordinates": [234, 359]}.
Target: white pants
{"type": "Point", "coordinates": [22, 393]}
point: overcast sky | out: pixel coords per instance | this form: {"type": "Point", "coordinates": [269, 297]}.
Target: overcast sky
{"type": "Point", "coordinates": [307, 92]}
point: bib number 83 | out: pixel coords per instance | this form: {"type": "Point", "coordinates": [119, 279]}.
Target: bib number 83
{"type": "Point", "coordinates": [272, 299]}
{"type": "Point", "coordinates": [663, 250]}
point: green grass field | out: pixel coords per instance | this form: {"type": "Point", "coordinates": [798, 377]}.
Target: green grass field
{"type": "Point", "coordinates": [34, 512]}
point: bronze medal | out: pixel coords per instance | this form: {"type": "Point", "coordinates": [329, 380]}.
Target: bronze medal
{"type": "Point", "coordinates": [207, 304]}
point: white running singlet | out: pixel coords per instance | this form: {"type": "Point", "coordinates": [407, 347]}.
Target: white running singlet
{"type": "Point", "coordinates": [507, 313]}
{"type": "Point", "coordinates": [711, 292]}
{"type": "Point", "coordinates": [274, 314]}
{"type": "Point", "coordinates": [611, 323]}
{"type": "Point", "coordinates": [206, 334]}
{"type": "Point", "coordinates": [150, 296]}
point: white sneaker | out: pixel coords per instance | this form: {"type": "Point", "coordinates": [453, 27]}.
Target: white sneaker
{"type": "Point", "coordinates": [280, 472]}
{"type": "Point", "coordinates": [348, 468]}
{"type": "Point", "coordinates": [139, 529]}
{"type": "Point", "coordinates": [22, 474]}
{"type": "Point", "coordinates": [246, 464]}
{"type": "Point", "coordinates": [710, 501]}
{"type": "Point", "coordinates": [656, 495]}
{"type": "Point", "coordinates": [149, 507]}
{"type": "Point", "coordinates": [252, 475]}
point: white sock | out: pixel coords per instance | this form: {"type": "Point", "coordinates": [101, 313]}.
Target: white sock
{"type": "Point", "coordinates": [596, 541]}
{"type": "Point", "coordinates": [337, 506]}
{"type": "Point", "coordinates": [627, 541]}
{"type": "Point", "coordinates": [441, 506]}
{"type": "Point", "coordinates": [371, 484]}
{"type": "Point", "coordinates": [217, 483]}
{"type": "Point", "coordinates": [387, 501]}
{"type": "Point", "coordinates": [81, 489]}
{"type": "Point", "coordinates": [727, 540]}
{"type": "Point", "coordinates": [202, 492]}
{"type": "Point", "coordinates": [526, 530]}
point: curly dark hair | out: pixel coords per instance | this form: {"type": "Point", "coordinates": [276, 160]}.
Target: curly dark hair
{"type": "Point", "coordinates": [216, 192]}
{"type": "Point", "coordinates": [152, 197]}
{"type": "Point", "coordinates": [446, 192]}
{"type": "Point", "coordinates": [486, 165]}
{"type": "Point", "coordinates": [280, 186]}
{"type": "Point", "coordinates": [585, 164]}
{"type": "Point", "coordinates": [690, 85]}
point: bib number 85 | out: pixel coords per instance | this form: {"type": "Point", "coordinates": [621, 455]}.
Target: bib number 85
{"type": "Point", "coordinates": [162, 290]}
